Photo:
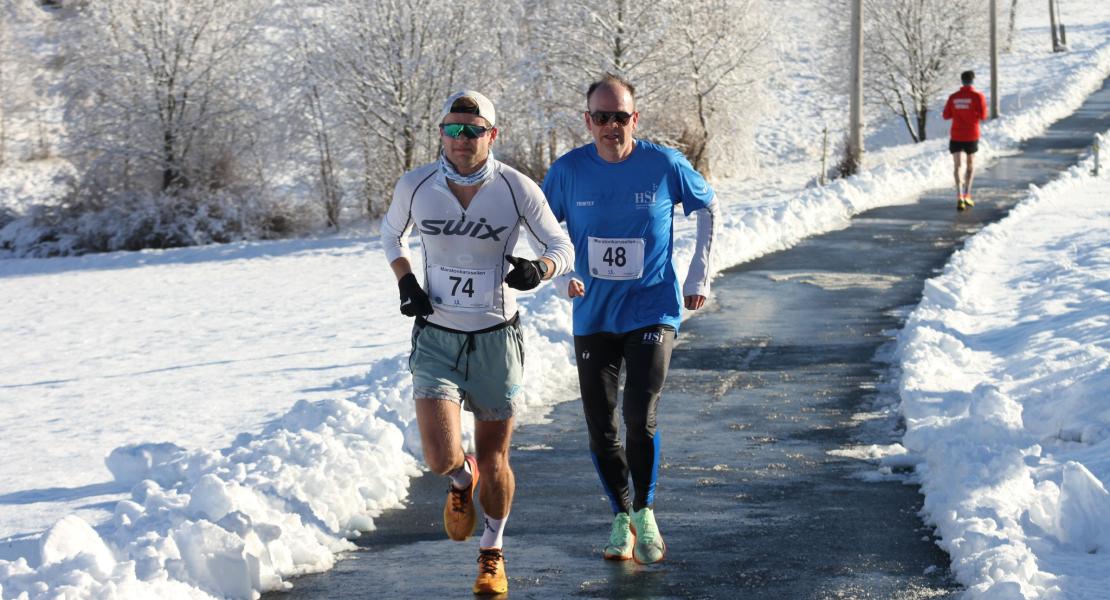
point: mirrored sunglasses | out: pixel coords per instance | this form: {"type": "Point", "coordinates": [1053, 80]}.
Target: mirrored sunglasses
{"type": "Point", "coordinates": [601, 117]}
{"type": "Point", "coordinates": [455, 130]}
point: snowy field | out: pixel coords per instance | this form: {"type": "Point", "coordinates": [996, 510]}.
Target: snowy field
{"type": "Point", "coordinates": [207, 422]}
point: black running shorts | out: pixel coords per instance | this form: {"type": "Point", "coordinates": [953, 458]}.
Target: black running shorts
{"type": "Point", "coordinates": [968, 147]}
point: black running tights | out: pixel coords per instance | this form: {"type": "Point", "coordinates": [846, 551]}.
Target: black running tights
{"type": "Point", "coordinates": [645, 354]}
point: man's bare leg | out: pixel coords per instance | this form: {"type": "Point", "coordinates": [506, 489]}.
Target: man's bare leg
{"type": "Point", "coordinates": [496, 493]}
{"type": "Point", "coordinates": [440, 434]}
{"type": "Point", "coordinates": [956, 164]}
{"type": "Point", "coordinates": [441, 439]}
{"type": "Point", "coordinates": [498, 483]}
{"type": "Point", "coordinates": [969, 174]}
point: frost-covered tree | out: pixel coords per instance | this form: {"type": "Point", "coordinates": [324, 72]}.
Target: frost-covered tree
{"type": "Point", "coordinates": [556, 48]}
{"type": "Point", "coordinates": [318, 115]}
{"type": "Point", "coordinates": [162, 91]}
{"type": "Point", "coordinates": [539, 93]}
{"type": "Point", "coordinates": [627, 38]}
{"type": "Point", "coordinates": [694, 66]}
{"type": "Point", "coordinates": [913, 50]}
{"type": "Point", "coordinates": [390, 65]}
{"type": "Point", "coordinates": [587, 38]}
{"type": "Point", "coordinates": [720, 62]}
{"type": "Point", "coordinates": [24, 79]}
{"type": "Point", "coordinates": [6, 86]}
{"type": "Point", "coordinates": [189, 105]}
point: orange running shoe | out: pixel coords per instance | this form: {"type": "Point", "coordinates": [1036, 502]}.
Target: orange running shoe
{"type": "Point", "coordinates": [491, 572]}
{"type": "Point", "coordinates": [459, 515]}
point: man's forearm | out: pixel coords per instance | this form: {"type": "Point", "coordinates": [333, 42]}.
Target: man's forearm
{"type": "Point", "coordinates": [401, 267]}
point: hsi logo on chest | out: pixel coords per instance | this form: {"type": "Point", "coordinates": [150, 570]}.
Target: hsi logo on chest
{"type": "Point", "coordinates": [475, 229]}
{"type": "Point", "coordinates": [645, 199]}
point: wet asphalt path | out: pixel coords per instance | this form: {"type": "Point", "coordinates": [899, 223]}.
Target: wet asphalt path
{"type": "Point", "coordinates": [763, 386]}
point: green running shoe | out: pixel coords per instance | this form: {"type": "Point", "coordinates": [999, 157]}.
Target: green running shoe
{"type": "Point", "coordinates": [649, 547]}
{"type": "Point", "coordinates": [620, 538]}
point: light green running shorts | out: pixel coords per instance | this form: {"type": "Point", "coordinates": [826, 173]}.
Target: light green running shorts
{"type": "Point", "coordinates": [481, 370]}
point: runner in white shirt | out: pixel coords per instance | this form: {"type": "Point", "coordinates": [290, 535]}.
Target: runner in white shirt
{"type": "Point", "coordinates": [467, 347]}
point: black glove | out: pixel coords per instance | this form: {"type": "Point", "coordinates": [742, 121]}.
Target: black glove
{"type": "Point", "coordinates": [414, 301]}
{"type": "Point", "coordinates": [526, 274]}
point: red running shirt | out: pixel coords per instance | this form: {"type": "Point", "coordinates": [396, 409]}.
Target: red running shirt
{"type": "Point", "coordinates": [966, 108]}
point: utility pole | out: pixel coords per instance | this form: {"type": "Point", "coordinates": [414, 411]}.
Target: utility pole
{"type": "Point", "coordinates": [855, 135]}
{"type": "Point", "coordinates": [994, 59]}
{"type": "Point", "coordinates": [825, 153]}
{"type": "Point", "coordinates": [1052, 21]}
{"type": "Point", "coordinates": [1063, 31]}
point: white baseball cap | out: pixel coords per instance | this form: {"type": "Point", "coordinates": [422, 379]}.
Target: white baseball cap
{"type": "Point", "coordinates": [485, 107]}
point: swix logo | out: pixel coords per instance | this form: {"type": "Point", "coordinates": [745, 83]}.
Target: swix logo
{"type": "Point", "coordinates": [962, 103]}
{"type": "Point", "coordinates": [653, 337]}
{"type": "Point", "coordinates": [475, 229]}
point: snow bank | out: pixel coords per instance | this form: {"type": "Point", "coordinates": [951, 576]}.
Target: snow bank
{"type": "Point", "coordinates": [1005, 370]}
{"type": "Point", "coordinates": [227, 524]}
{"type": "Point", "coordinates": [231, 523]}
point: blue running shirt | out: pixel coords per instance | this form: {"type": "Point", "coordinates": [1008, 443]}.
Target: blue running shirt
{"type": "Point", "coordinates": [620, 217]}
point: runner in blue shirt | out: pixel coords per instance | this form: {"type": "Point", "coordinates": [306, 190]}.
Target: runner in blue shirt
{"type": "Point", "coordinates": [617, 196]}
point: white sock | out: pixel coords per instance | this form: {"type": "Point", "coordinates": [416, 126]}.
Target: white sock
{"type": "Point", "coordinates": [461, 477]}
{"type": "Point", "coordinates": [493, 530]}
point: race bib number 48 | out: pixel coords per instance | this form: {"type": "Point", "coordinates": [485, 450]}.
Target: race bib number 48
{"type": "Point", "coordinates": [455, 288]}
{"type": "Point", "coordinates": [616, 258]}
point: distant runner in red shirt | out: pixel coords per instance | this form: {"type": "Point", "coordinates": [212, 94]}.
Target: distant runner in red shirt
{"type": "Point", "coordinates": [965, 108]}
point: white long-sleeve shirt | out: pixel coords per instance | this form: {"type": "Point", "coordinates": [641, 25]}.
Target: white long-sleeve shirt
{"type": "Point", "coordinates": [464, 249]}
{"type": "Point", "coordinates": [698, 275]}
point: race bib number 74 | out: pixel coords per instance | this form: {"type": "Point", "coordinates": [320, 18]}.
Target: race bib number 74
{"type": "Point", "coordinates": [456, 288]}
{"type": "Point", "coordinates": [616, 258]}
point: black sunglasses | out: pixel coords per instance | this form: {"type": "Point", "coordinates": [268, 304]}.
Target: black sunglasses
{"type": "Point", "coordinates": [455, 130]}
{"type": "Point", "coordinates": [601, 117]}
